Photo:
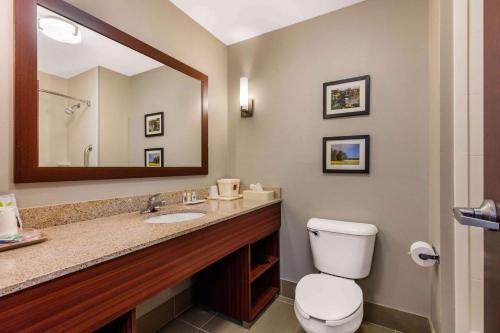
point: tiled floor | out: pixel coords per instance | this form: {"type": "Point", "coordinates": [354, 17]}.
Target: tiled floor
{"type": "Point", "coordinates": [278, 317]}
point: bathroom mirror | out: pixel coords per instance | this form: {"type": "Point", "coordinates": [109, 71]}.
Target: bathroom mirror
{"type": "Point", "coordinates": [93, 102]}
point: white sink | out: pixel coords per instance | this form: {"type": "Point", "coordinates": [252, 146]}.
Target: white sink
{"type": "Point", "coordinates": [174, 217]}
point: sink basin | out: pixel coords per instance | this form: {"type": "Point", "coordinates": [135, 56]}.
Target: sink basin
{"type": "Point", "coordinates": [174, 217]}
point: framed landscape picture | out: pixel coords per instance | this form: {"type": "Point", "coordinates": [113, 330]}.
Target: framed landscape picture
{"type": "Point", "coordinates": [153, 158]}
{"type": "Point", "coordinates": [153, 124]}
{"type": "Point", "coordinates": [345, 98]}
{"type": "Point", "coordinates": [346, 154]}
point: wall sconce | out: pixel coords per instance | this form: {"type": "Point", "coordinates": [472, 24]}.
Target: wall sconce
{"type": "Point", "coordinates": [246, 105]}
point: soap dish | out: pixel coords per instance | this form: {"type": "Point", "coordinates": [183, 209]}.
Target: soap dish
{"type": "Point", "coordinates": [226, 198]}
{"type": "Point", "coordinates": [26, 237]}
{"type": "Point", "coordinates": [194, 202]}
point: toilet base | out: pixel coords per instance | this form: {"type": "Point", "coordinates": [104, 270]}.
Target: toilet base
{"type": "Point", "coordinates": [347, 325]}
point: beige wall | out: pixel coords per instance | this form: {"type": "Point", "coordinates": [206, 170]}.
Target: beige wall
{"type": "Point", "coordinates": [178, 97]}
{"type": "Point", "coordinates": [281, 145]}
{"type": "Point", "coordinates": [52, 123]}
{"type": "Point", "coordinates": [116, 118]}
{"type": "Point", "coordinates": [63, 138]}
{"type": "Point", "coordinates": [114, 109]}
{"type": "Point", "coordinates": [83, 125]}
{"type": "Point", "coordinates": [160, 24]}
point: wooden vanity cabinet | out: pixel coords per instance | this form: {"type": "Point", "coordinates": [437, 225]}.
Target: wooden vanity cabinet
{"type": "Point", "coordinates": [126, 323]}
{"type": "Point", "coordinates": [103, 297]}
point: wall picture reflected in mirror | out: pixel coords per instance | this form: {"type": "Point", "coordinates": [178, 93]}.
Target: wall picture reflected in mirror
{"type": "Point", "coordinates": [153, 124]}
{"type": "Point", "coordinates": [153, 158]}
{"type": "Point", "coordinates": [94, 91]}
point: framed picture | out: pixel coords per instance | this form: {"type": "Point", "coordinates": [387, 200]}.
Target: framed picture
{"type": "Point", "coordinates": [153, 124]}
{"type": "Point", "coordinates": [345, 98]}
{"type": "Point", "coordinates": [153, 158]}
{"type": "Point", "coordinates": [346, 154]}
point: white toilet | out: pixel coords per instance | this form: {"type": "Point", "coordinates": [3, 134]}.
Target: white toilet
{"type": "Point", "coordinates": [331, 301]}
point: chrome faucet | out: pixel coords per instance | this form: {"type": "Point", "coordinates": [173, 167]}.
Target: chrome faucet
{"type": "Point", "coordinates": [153, 204]}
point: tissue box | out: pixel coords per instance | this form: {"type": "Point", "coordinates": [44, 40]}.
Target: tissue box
{"type": "Point", "coordinates": [261, 195]}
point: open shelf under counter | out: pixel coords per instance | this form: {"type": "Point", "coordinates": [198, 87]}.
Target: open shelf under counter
{"type": "Point", "coordinates": [262, 267]}
{"type": "Point", "coordinates": [243, 283]}
{"type": "Point", "coordinates": [264, 273]}
{"type": "Point", "coordinates": [263, 300]}
{"type": "Point", "coordinates": [263, 290]}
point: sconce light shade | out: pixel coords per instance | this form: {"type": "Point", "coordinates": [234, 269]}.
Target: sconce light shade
{"type": "Point", "coordinates": [244, 92]}
{"type": "Point", "coordinates": [246, 110]}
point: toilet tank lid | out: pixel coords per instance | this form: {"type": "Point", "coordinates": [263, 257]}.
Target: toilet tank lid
{"type": "Point", "coordinates": [342, 227]}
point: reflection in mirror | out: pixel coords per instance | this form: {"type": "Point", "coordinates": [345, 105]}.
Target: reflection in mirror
{"type": "Point", "coordinates": [104, 104]}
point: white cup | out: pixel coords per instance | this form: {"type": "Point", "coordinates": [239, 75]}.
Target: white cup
{"type": "Point", "coordinates": [214, 191]}
{"type": "Point", "coordinates": [8, 221]}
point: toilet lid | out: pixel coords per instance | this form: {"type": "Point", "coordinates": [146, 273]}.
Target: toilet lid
{"type": "Point", "coordinates": [328, 297]}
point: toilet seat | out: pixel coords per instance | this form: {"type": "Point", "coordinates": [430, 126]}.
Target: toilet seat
{"type": "Point", "coordinates": [328, 298]}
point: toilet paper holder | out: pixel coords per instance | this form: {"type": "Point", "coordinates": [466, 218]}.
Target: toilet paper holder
{"type": "Point", "coordinates": [424, 256]}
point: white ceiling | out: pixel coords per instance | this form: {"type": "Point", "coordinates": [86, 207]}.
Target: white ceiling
{"type": "Point", "coordinates": [68, 60]}
{"type": "Point", "coordinates": [232, 21]}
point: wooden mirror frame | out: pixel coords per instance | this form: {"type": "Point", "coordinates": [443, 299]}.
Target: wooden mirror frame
{"type": "Point", "coordinates": [26, 162]}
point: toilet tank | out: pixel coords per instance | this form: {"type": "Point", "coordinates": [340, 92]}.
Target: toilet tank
{"type": "Point", "coordinates": [340, 248]}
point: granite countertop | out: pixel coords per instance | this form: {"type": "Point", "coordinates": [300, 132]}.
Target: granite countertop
{"type": "Point", "coordinates": [76, 246]}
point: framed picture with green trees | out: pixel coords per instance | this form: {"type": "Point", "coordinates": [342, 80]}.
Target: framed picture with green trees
{"type": "Point", "coordinates": [346, 154]}
{"type": "Point", "coordinates": [346, 98]}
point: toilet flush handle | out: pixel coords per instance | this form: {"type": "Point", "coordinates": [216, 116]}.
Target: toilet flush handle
{"type": "Point", "coordinates": [314, 232]}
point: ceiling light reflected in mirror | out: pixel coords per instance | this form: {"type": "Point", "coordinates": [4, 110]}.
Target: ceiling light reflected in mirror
{"type": "Point", "coordinates": [60, 30]}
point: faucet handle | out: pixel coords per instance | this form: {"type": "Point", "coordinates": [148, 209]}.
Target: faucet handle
{"type": "Point", "coordinates": [153, 204]}
{"type": "Point", "coordinates": [153, 197]}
